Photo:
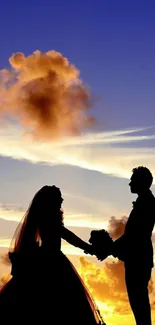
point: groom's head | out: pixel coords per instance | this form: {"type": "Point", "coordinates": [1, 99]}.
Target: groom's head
{"type": "Point", "coordinates": [141, 180]}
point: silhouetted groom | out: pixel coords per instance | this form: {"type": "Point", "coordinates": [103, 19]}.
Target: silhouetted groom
{"type": "Point", "coordinates": [135, 246]}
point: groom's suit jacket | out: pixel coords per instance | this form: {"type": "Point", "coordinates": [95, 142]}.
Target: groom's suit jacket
{"type": "Point", "coordinates": [135, 246]}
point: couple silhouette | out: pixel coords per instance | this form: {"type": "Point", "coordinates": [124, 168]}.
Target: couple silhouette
{"type": "Point", "coordinates": [46, 288]}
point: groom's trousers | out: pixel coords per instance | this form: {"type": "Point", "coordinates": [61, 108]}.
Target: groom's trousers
{"type": "Point", "coordinates": [137, 278]}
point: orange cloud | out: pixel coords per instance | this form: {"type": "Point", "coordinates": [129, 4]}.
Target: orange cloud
{"type": "Point", "coordinates": [106, 282]}
{"type": "Point", "coordinates": [116, 227]}
{"type": "Point", "coordinates": [5, 278]}
{"type": "Point", "coordinates": [107, 285]}
{"type": "Point", "coordinates": [5, 259]}
{"type": "Point", "coordinates": [4, 269]}
{"type": "Point", "coordinates": [44, 92]}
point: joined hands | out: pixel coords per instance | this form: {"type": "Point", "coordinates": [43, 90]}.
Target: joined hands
{"type": "Point", "coordinates": [100, 244]}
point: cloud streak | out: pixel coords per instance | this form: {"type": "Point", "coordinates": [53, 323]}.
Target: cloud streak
{"type": "Point", "coordinates": [106, 152]}
{"type": "Point", "coordinates": [66, 248]}
{"type": "Point", "coordinates": [71, 219]}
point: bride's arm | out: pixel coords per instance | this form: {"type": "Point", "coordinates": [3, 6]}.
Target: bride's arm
{"type": "Point", "coordinates": [74, 240]}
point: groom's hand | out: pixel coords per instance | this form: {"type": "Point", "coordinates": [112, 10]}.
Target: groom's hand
{"type": "Point", "coordinates": [89, 250]}
{"type": "Point", "coordinates": [101, 257]}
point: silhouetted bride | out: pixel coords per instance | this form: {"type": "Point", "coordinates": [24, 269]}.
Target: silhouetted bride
{"type": "Point", "coordinates": [45, 287]}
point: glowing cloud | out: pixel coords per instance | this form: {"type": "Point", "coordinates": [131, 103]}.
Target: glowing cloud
{"type": "Point", "coordinates": [44, 92]}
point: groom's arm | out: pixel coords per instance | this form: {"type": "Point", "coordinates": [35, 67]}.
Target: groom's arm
{"type": "Point", "coordinates": [74, 240]}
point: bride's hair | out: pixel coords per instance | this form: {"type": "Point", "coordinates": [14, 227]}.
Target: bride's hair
{"type": "Point", "coordinates": [44, 207]}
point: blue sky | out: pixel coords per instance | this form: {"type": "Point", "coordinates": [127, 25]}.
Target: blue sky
{"type": "Point", "coordinates": [112, 44]}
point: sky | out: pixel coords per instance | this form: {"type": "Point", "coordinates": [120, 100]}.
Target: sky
{"type": "Point", "coordinates": [112, 44]}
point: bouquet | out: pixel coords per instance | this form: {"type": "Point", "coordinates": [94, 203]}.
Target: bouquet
{"type": "Point", "coordinates": [101, 243]}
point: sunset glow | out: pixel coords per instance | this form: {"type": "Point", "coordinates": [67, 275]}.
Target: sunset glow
{"type": "Point", "coordinates": [77, 110]}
